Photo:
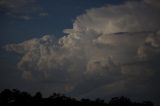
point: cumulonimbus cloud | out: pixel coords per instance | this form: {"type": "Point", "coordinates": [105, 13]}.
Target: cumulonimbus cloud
{"type": "Point", "coordinates": [108, 47]}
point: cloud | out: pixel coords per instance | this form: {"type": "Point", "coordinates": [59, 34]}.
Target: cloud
{"type": "Point", "coordinates": [21, 9]}
{"type": "Point", "coordinates": [153, 2]}
{"type": "Point", "coordinates": [43, 14]}
{"type": "Point", "coordinates": [35, 52]}
{"type": "Point", "coordinates": [113, 49]}
{"type": "Point", "coordinates": [151, 47]}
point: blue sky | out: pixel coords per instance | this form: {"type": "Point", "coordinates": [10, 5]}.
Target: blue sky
{"type": "Point", "coordinates": [60, 15]}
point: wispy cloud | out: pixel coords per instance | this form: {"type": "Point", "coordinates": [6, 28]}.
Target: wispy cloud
{"type": "Point", "coordinates": [153, 2]}
{"type": "Point", "coordinates": [22, 9]}
{"type": "Point", "coordinates": [43, 14]}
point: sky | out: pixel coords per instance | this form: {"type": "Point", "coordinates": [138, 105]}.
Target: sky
{"type": "Point", "coordinates": [82, 48]}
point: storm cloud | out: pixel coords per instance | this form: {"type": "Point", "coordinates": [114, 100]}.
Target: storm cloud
{"type": "Point", "coordinates": [112, 49]}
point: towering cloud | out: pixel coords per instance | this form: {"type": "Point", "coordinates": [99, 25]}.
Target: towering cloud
{"type": "Point", "coordinates": [111, 49]}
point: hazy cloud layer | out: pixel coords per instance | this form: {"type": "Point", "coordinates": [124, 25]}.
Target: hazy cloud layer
{"type": "Point", "coordinates": [22, 9]}
{"type": "Point", "coordinates": [153, 2]}
{"type": "Point", "coordinates": [110, 50]}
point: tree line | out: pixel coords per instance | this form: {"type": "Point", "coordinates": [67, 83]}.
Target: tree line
{"type": "Point", "coordinates": [15, 97]}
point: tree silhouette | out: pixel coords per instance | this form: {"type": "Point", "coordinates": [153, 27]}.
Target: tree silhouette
{"type": "Point", "coordinates": [18, 98]}
{"type": "Point", "coordinates": [120, 101]}
{"type": "Point", "coordinates": [6, 97]}
{"type": "Point", "coordinates": [147, 103]}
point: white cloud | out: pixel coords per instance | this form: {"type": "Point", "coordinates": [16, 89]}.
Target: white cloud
{"type": "Point", "coordinates": [127, 17]}
{"type": "Point", "coordinates": [106, 46]}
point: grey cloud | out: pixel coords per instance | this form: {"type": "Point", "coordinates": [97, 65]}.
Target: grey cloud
{"type": "Point", "coordinates": [35, 52]}
{"type": "Point", "coordinates": [153, 2]}
{"type": "Point", "coordinates": [110, 49]}
{"type": "Point", "coordinates": [22, 9]}
{"type": "Point", "coordinates": [151, 47]}
{"type": "Point", "coordinates": [43, 14]}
